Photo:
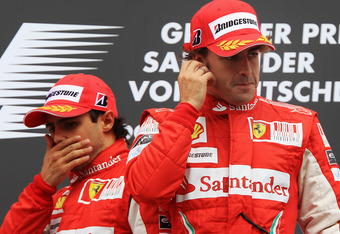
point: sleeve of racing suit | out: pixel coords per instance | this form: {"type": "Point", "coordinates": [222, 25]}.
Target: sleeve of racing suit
{"type": "Point", "coordinates": [32, 212]}
{"type": "Point", "coordinates": [154, 174]}
{"type": "Point", "coordinates": [319, 186]}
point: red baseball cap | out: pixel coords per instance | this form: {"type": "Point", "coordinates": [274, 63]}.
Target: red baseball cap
{"type": "Point", "coordinates": [73, 95]}
{"type": "Point", "coordinates": [226, 27]}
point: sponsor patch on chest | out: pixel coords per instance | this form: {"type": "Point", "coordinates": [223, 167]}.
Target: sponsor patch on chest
{"type": "Point", "coordinates": [203, 155]}
{"type": "Point", "coordinates": [200, 131]}
{"type": "Point", "coordinates": [258, 183]}
{"type": "Point", "coordinates": [98, 189]}
{"type": "Point", "coordinates": [283, 133]}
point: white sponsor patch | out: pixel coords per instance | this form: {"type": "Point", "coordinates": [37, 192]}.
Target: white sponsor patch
{"type": "Point", "coordinates": [276, 132]}
{"type": "Point", "coordinates": [149, 126]}
{"type": "Point", "coordinates": [135, 151]}
{"type": "Point", "coordinates": [232, 22]}
{"type": "Point", "coordinates": [200, 131]}
{"type": "Point", "coordinates": [65, 92]}
{"type": "Point", "coordinates": [58, 211]}
{"type": "Point", "coordinates": [202, 155]}
{"type": "Point", "coordinates": [92, 230]}
{"type": "Point", "coordinates": [323, 135]}
{"type": "Point", "coordinates": [262, 184]}
{"type": "Point", "coordinates": [139, 145]}
{"type": "Point", "coordinates": [54, 225]}
{"type": "Point", "coordinates": [336, 173]}
{"type": "Point", "coordinates": [98, 189]}
{"type": "Point", "coordinates": [237, 179]}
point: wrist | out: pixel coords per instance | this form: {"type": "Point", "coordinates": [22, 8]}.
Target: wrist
{"type": "Point", "coordinates": [43, 186]}
{"type": "Point", "coordinates": [185, 114]}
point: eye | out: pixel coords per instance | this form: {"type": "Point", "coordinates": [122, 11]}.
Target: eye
{"type": "Point", "coordinates": [253, 54]}
{"type": "Point", "coordinates": [70, 124]}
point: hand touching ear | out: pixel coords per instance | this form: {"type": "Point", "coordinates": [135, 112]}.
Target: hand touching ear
{"type": "Point", "coordinates": [193, 80]}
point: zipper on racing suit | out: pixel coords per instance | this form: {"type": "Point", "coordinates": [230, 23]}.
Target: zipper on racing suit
{"type": "Point", "coordinates": [254, 224]}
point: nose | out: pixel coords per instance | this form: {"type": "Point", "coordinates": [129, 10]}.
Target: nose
{"type": "Point", "coordinates": [243, 64]}
{"type": "Point", "coordinates": [58, 135]}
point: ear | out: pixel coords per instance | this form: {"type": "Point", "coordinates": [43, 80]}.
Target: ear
{"type": "Point", "coordinates": [108, 120]}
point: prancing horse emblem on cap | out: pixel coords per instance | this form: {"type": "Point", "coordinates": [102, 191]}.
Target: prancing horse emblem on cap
{"type": "Point", "coordinates": [101, 100]}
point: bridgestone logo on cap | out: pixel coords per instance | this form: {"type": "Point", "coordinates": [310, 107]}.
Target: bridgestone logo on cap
{"type": "Point", "coordinates": [232, 22]}
{"type": "Point", "coordinates": [101, 100]}
{"type": "Point", "coordinates": [65, 92]}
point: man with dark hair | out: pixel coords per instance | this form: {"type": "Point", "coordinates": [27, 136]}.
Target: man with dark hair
{"type": "Point", "coordinates": [226, 160]}
{"type": "Point", "coordinates": [86, 142]}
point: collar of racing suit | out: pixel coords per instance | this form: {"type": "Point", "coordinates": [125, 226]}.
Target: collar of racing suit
{"type": "Point", "coordinates": [220, 107]}
{"type": "Point", "coordinates": [111, 156]}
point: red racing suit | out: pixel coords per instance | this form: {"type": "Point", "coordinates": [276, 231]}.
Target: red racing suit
{"type": "Point", "coordinates": [254, 168]}
{"type": "Point", "coordinates": [95, 202]}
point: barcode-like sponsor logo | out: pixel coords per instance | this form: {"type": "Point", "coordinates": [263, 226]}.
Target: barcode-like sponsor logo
{"type": "Point", "coordinates": [276, 132]}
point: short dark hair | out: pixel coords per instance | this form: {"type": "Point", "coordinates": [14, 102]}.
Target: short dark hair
{"type": "Point", "coordinates": [118, 127]}
{"type": "Point", "coordinates": [190, 55]}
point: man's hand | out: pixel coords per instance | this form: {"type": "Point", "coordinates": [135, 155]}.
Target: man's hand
{"type": "Point", "coordinates": [193, 80]}
{"type": "Point", "coordinates": [61, 158]}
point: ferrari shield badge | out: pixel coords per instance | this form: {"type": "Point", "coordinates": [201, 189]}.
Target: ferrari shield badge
{"type": "Point", "coordinates": [259, 130]}
{"type": "Point", "coordinates": [95, 187]}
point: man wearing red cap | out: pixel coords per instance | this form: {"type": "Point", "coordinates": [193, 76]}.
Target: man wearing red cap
{"type": "Point", "coordinates": [87, 142]}
{"type": "Point", "coordinates": [226, 160]}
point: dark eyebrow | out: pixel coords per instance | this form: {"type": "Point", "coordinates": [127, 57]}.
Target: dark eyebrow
{"type": "Point", "coordinates": [255, 48]}
{"type": "Point", "coordinates": [61, 120]}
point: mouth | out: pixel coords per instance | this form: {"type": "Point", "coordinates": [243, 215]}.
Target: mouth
{"type": "Point", "coordinates": [245, 85]}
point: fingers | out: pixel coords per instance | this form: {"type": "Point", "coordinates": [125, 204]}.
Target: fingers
{"type": "Point", "coordinates": [67, 142]}
{"type": "Point", "coordinates": [49, 141]}
{"type": "Point", "coordinates": [193, 66]}
{"type": "Point", "coordinates": [72, 149]}
{"type": "Point", "coordinates": [195, 71]}
{"type": "Point", "coordinates": [61, 158]}
{"type": "Point", "coordinates": [203, 69]}
{"type": "Point", "coordinates": [193, 81]}
{"type": "Point", "coordinates": [210, 78]}
{"type": "Point", "coordinates": [76, 162]}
